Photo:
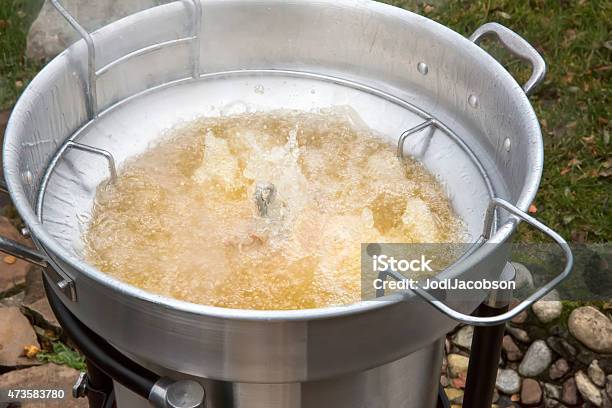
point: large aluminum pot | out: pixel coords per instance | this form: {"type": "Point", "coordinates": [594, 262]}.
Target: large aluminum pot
{"type": "Point", "coordinates": [397, 69]}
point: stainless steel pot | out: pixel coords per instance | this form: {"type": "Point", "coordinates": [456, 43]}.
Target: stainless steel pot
{"type": "Point", "coordinates": [435, 94]}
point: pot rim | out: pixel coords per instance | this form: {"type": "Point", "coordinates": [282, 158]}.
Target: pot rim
{"type": "Point", "coordinates": [49, 244]}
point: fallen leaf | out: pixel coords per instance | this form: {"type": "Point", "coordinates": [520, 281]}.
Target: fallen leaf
{"type": "Point", "coordinates": [458, 383]}
{"type": "Point", "coordinates": [31, 351]}
{"type": "Point", "coordinates": [3, 24]}
{"type": "Point", "coordinates": [565, 170]}
{"type": "Point", "coordinates": [579, 237]}
{"type": "Point", "coordinates": [574, 162]}
{"type": "Point", "coordinates": [568, 218]}
{"type": "Point", "coordinates": [589, 140]}
{"type": "Point", "coordinates": [571, 125]}
{"type": "Point", "coordinates": [428, 8]}
{"type": "Point", "coordinates": [503, 14]}
{"type": "Point", "coordinates": [602, 68]}
{"type": "Point", "coordinates": [533, 209]}
{"type": "Point", "coordinates": [605, 173]}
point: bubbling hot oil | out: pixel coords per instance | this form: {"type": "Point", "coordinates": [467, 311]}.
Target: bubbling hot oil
{"type": "Point", "coordinates": [181, 219]}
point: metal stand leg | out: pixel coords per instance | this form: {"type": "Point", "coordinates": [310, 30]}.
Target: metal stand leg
{"type": "Point", "coordinates": [484, 360]}
{"type": "Point", "coordinates": [99, 388]}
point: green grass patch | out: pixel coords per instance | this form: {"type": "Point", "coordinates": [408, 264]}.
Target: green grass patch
{"type": "Point", "coordinates": [62, 354]}
{"type": "Point", "coordinates": [16, 70]}
{"type": "Point", "coordinates": [573, 104]}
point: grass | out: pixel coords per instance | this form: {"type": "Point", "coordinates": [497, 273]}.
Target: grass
{"type": "Point", "coordinates": [15, 69]}
{"type": "Point", "coordinates": [62, 354]}
{"type": "Point", "coordinates": [573, 103]}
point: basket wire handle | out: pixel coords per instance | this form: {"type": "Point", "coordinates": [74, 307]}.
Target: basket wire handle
{"type": "Point", "coordinates": [531, 299]}
{"type": "Point", "coordinates": [517, 46]}
{"type": "Point", "coordinates": [91, 92]}
{"type": "Point", "coordinates": [92, 75]}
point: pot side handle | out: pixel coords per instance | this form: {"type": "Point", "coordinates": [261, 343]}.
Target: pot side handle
{"type": "Point", "coordinates": [18, 250]}
{"type": "Point", "coordinates": [517, 46]}
{"type": "Point", "coordinates": [527, 302]}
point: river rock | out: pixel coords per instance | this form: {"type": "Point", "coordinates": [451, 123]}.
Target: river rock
{"type": "Point", "coordinates": [592, 328]}
{"type": "Point", "coordinates": [12, 271]}
{"type": "Point", "coordinates": [519, 334]}
{"type": "Point", "coordinates": [587, 389]}
{"type": "Point", "coordinates": [558, 369]}
{"type": "Point", "coordinates": [457, 365]}
{"type": "Point", "coordinates": [34, 287]}
{"type": "Point", "coordinates": [607, 401]}
{"type": "Point", "coordinates": [596, 374]}
{"type": "Point", "coordinates": [552, 391]}
{"type": "Point", "coordinates": [459, 382]}
{"type": "Point", "coordinates": [463, 337]}
{"type": "Point", "coordinates": [537, 359]}
{"type": "Point", "coordinates": [454, 395]}
{"type": "Point", "coordinates": [50, 34]}
{"type": "Point", "coordinates": [559, 330]}
{"type": "Point", "coordinates": [605, 362]}
{"type": "Point", "coordinates": [513, 353]}
{"type": "Point", "coordinates": [569, 393]}
{"type": "Point", "coordinates": [444, 381]}
{"type": "Point", "coordinates": [523, 278]}
{"type": "Point", "coordinates": [13, 301]}
{"type": "Point", "coordinates": [548, 309]}
{"type": "Point", "coordinates": [47, 376]}
{"type": "Point", "coordinates": [585, 356]}
{"type": "Point", "coordinates": [41, 314]}
{"type": "Point", "coordinates": [531, 393]}
{"type": "Point", "coordinates": [508, 381]}
{"type": "Point", "coordinates": [15, 334]}
{"type": "Point", "coordinates": [521, 317]}
{"type": "Point", "coordinates": [551, 403]}
{"type": "Point", "coordinates": [562, 347]}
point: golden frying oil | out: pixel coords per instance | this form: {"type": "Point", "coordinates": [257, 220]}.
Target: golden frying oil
{"type": "Point", "coordinates": [181, 219]}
